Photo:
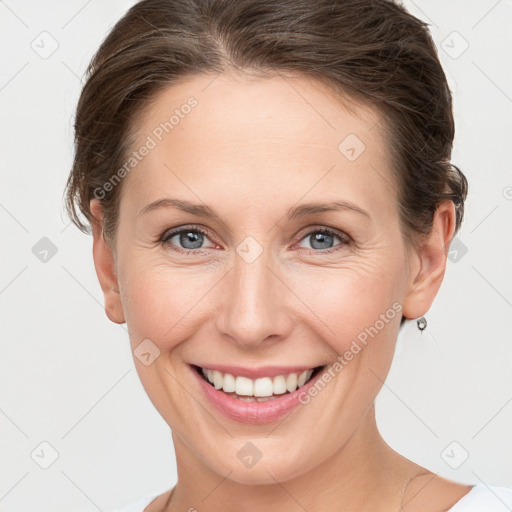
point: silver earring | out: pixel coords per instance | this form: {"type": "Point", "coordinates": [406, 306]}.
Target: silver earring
{"type": "Point", "coordinates": [421, 323]}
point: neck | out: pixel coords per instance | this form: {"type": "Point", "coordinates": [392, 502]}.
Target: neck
{"type": "Point", "coordinates": [364, 474]}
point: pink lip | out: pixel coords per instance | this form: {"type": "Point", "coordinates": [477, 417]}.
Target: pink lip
{"type": "Point", "coordinates": [253, 412]}
{"type": "Point", "coordinates": [255, 373]}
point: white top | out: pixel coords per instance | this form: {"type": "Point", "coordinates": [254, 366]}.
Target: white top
{"type": "Point", "coordinates": [479, 499]}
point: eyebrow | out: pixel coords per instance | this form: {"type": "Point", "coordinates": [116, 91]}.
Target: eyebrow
{"type": "Point", "coordinates": [312, 208]}
{"type": "Point", "coordinates": [203, 210]}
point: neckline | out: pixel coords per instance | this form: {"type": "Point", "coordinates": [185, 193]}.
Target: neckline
{"type": "Point", "coordinates": [464, 498]}
{"type": "Point", "coordinates": [151, 499]}
{"type": "Point", "coordinates": [461, 501]}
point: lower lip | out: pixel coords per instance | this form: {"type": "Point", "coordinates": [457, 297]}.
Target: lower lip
{"type": "Point", "coordinates": [253, 412]}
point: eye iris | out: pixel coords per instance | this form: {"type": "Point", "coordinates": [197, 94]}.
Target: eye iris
{"type": "Point", "coordinates": [322, 238]}
{"type": "Point", "coordinates": [193, 237]}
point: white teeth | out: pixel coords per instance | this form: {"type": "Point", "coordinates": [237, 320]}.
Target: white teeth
{"type": "Point", "coordinates": [229, 383]}
{"type": "Point", "coordinates": [291, 382]}
{"type": "Point", "coordinates": [218, 380]}
{"type": "Point", "coordinates": [302, 378]}
{"type": "Point", "coordinates": [244, 386]}
{"type": "Point", "coordinates": [279, 385]}
{"type": "Point", "coordinates": [261, 389]}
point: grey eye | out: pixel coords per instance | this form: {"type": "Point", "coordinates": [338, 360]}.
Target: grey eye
{"type": "Point", "coordinates": [322, 239]}
{"type": "Point", "coordinates": [187, 239]}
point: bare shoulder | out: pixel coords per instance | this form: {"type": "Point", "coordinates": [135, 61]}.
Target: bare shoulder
{"type": "Point", "coordinates": [433, 493]}
{"type": "Point", "coordinates": [158, 504]}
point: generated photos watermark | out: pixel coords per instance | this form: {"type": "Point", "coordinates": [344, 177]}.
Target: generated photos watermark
{"type": "Point", "coordinates": [151, 142]}
{"type": "Point", "coordinates": [343, 359]}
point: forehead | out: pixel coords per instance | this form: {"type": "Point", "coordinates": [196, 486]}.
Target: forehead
{"type": "Point", "coordinates": [295, 109]}
{"type": "Point", "coordinates": [255, 136]}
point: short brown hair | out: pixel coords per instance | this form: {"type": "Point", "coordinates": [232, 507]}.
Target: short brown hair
{"type": "Point", "coordinates": [371, 49]}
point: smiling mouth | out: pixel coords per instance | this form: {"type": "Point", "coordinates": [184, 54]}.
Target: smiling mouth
{"type": "Point", "coordinates": [262, 389]}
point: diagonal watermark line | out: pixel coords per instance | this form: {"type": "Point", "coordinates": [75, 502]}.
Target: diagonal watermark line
{"type": "Point", "coordinates": [493, 287]}
{"type": "Point", "coordinates": [302, 96]}
{"type": "Point", "coordinates": [287, 492]}
{"type": "Point", "coordinates": [377, 122]}
{"type": "Point", "coordinates": [95, 404]}
{"type": "Point", "coordinates": [304, 195]}
{"type": "Point", "coordinates": [14, 76]}
{"type": "Point", "coordinates": [81, 491]}
{"type": "Point", "coordinates": [216, 487]}
{"type": "Point", "coordinates": [301, 300]}
{"type": "Point", "coordinates": [492, 81]}
{"type": "Point", "coordinates": [13, 217]}
{"type": "Point", "coordinates": [14, 485]}
{"type": "Point", "coordinates": [65, 227]}
{"type": "Point", "coordinates": [13, 279]}
{"type": "Point", "coordinates": [486, 14]}
{"type": "Point", "coordinates": [79, 78]}
{"type": "Point", "coordinates": [508, 508]}
{"type": "Point", "coordinates": [13, 13]}
{"type": "Point", "coordinates": [210, 82]}
{"type": "Point", "coordinates": [424, 13]}
{"type": "Point", "coordinates": [14, 423]}
{"type": "Point", "coordinates": [198, 301]}
{"type": "Point", "coordinates": [282, 421]}
{"type": "Point", "coordinates": [501, 408]}
{"type": "Point", "coordinates": [76, 14]}
{"type": "Point", "coordinates": [388, 181]}
{"type": "Point", "coordinates": [431, 480]}
{"type": "Point", "coordinates": [384, 384]}
{"type": "Point", "coordinates": [492, 211]}
{"type": "Point", "coordinates": [197, 401]}
{"type": "Point", "coordinates": [82, 286]}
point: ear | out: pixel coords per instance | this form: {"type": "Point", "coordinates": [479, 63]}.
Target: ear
{"type": "Point", "coordinates": [428, 263]}
{"type": "Point", "coordinates": [105, 266]}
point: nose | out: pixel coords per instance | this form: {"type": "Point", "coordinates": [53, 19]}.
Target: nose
{"type": "Point", "coordinates": [253, 303]}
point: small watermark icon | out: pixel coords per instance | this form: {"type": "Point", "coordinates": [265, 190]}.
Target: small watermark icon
{"type": "Point", "coordinates": [455, 455]}
{"type": "Point", "coordinates": [44, 44]}
{"type": "Point", "coordinates": [249, 455]}
{"type": "Point", "coordinates": [249, 249]}
{"type": "Point", "coordinates": [44, 455]}
{"type": "Point", "coordinates": [351, 147]}
{"type": "Point", "coordinates": [44, 250]}
{"type": "Point", "coordinates": [454, 45]}
{"type": "Point", "coordinates": [146, 352]}
{"type": "Point", "coordinates": [458, 249]}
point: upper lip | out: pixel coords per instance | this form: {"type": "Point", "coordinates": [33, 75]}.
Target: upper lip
{"type": "Point", "coordinates": [255, 373]}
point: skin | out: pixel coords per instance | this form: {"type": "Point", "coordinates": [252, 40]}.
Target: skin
{"type": "Point", "coordinates": [252, 149]}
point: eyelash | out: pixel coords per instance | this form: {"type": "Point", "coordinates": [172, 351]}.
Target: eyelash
{"type": "Point", "coordinates": [344, 238]}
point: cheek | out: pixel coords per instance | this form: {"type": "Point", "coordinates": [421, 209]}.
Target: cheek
{"type": "Point", "coordinates": [361, 302]}
{"type": "Point", "coordinates": [161, 303]}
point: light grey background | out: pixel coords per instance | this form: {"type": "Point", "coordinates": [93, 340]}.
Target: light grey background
{"type": "Point", "coordinates": [66, 372]}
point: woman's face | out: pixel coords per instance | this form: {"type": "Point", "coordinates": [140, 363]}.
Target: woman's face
{"type": "Point", "coordinates": [256, 289]}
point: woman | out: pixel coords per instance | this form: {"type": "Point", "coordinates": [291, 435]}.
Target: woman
{"type": "Point", "coordinates": [270, 194]}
